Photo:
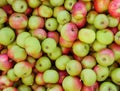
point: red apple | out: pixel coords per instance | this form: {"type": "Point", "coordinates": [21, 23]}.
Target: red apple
{"type": "Point", "coordinates": [8, 9]}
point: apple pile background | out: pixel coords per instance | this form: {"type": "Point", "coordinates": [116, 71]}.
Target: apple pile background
{"type": "Point", "coordinates": [59, 45]}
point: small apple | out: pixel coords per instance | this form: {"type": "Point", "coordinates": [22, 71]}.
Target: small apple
{"type": "Point", "coordinates": [8, 9]}
{"type": "Point", "coordinates": [65, 50]}
{"type": "Point", "coordinates": [56, 3]}
{"type": "Point", "coordinates": [43, 64]}
{"type": "Point", "coordinates": [88, 5]}
{"type": "Point", "coordinates": [10, 89]}
{"type": "Point", "coordinates": [34, 3]}
{"type": "Point", "coordinates": [24, 88]}
{"type": "Point", "coordinates": [39, 79]}
{"type": "Point", "coordinates": [40, 88]}
{"type": "Point", "coordinates": [55, 87]}
{"type": "Point", "coordinates": [116, 38]}
{"type": "Point", "coordinates": [111, 20]}
{"type": "Point", "coordinates": [3, 16]}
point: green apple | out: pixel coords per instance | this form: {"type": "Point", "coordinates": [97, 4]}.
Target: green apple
{"type": "Point", "coordinates": [51, 76]}
{"type": "Point", "coordinates": [10, 1]}
{"type": "Point", "coordinates": [45, 11]}
{"type": "Point", "coordinates": [19, 6]}
{"type": "Point", "coordinates": [21, 38]}
{"type": "Point", "coordinates": [117, 38]}
{"type": "Point", "coordinates": [88, 62]}
{"type": "Point", "coordinates": [22, 69]}
{"type": "Point", "coordinates": [80, 49]}
{"type": "Point", "coordinates": [3, 2]}
{"type": "Point", "coordinates": [11, 75]}
{"type": "Point", "coordinates": [34, 3]}
{"type": "Point", "coordinates": [1, 26]}
{"type": "Point", "coordinates": [17, 53]}
{"type": "Point", "coordinates": [56, 3]}
{"type": "Point", "coordinates": [73, 68]}
{"type": "Point", "coordinates": [68, 4]}
{"type": "Point", "coordinates": [3, 16]}
{"type": "Point", "coordinates": [108, 86]}
{"type": "Point", "coordinates": [105, 36]}
{"type": "Point", "coordinates": [28, 80]}
{"type": "Point", "coordinates": [101, 21]}
{"type": "Point", "coordinates": [51, 24]}
{"type": "Point", "coordinates": [72, 83]}
{"type": "Point", "coordinates": [115, 76]}
{"type": "Point", "coordinates": [10, 89]}
{"type": "Point", "coordinates": [47, 3]}
{"type": "Point", "coordinates": [63, 17]}
{"type": "Point", "coordinates": [55, 54]}
{"type": "Point", "coordinates": [48, 45]}
{"type": "Point", "coordinates": [32, 46]}
{"type": "Point", "coordinates": [88, 76]}
{"type": "Point", "coordinates": [61, 62]}
{"type": "Point", "coordinates": [24, 88]}
{"type": "Point", "coordinates": [97, 46]}
{"type": "Point", "coordinates": [102, 72]}
{"type": "Point", "coordinates": [43, 64]}
{"type": "Point", "coordinates": [86, 32]}
{"type": "Point", "coordinates": [113, 22]}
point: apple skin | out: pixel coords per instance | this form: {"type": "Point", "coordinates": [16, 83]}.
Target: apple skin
{"type": "Point", "coordinates": [10, 89]}
{"type": "Point", "coordinates": [39, 33]}
{"type": "Point", "coordinates": [3, 2]}
{"type": "Point", "coordinates": [79, 10]}
{"type": "Point", "coordinates": [105, 57]}
{"type": "Point", "coordinates": [101, 6]}
{"type": "Point", "coordinates": [102, 72]}
{"type": "Point", "coordinates": [40, 88]}
{"type": "Point", "coordinates": [22, 69]}
{"type": "Point", "coordinates": [94, 87]}
{"type": "Point", "coordinates": [72, 83]}
{"type": "Point", "coordinates": [18, 21]}
{"type": "Point", "coordinates": [116, 38]}
{"type": "Point", "coordinates": [106, 86]}
{"type": "Point", "coordinates": [114, 30]}
{"type": "Point", "coordinates": [33, 4]}
{"type": "Point", "coordinates": [56, 3]}
{"type": "Point", "coordinates": [28, 11]}
{"type": "Point", "coordinates": [55, 87]}
{"type": "Point", "coordinates": [78, 58]}
{"type": "Point", "coordinates": [113, 8]}
{"type": "Point", "coordinates": [8, 9]}
{"type": "Point", "coordinates": [5, 63]}
{"type": "Point", "coordinates": [24, 88]}
{"type": "Point", "coordinates": [35, 12]}
{"type": "Point", "coordinates": [17, 53]}
{"type": "Point", "coordinates": [35, 22]}
{"type": "Point", "coordinates": [88, 5]}
{"type": "Point", "coordinates": [69, 32]}
{"type": "Point", "coordinates": [53, 34]}
{"type": "Point", "coordinates": [5, 82]}
{"type": "Point", "coordinates": [65, 50]}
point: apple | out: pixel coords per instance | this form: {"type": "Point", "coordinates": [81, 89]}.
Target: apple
{"type": "Point", "coordinates": [10, 89]}
{"type": "Point", "coordinates": [45, 11]}
{"type": "Point", "coordinates": [47, 3]}
{"type": "Point", "coordinates": [43, 64]}
{"type": "Point", "coordinates": [11, 75]}
{"type": "Point", "coordinates": [7, 35]}
{"type": "Point", "coordinates": [17, 53]}
{"type": "Point", "coordinates": [22, 69]}
{"type": "Point", "coordinates": [19, 6]}
{"type": "Point", "coordinates": [40, 88]}
{"type": "Point", "coordinates": [101, 6]}
{"type": "Point", "coordinates": [3, 2]}
{"type": "Point", "coordinates": [97, 46]}
{"type": "Point", "coordinates": [86, 32]}
{"type": "Point", "coordinates": [32, 47]}
{"type": "Point", "coordinates": [51, 24]}
{"type": "Point", "coordinates": [88, 5]}
{"type": "Point", "coordinates": [3, 16]}
{"type": "Point", "coordinates": [53, 76]}
{"type": "Point", "coordinates": [8, 9]}
{"type": "Point", "coordinates": [68, 4]}
{"type": "Point", "coordinates": [55, 87]}
{"type": "Point", "coordinates": [107, 86]}
{"type": "Point", "coordinates": [35, 12]}
{"type": "Point", "coordinates": [105, 36]}
{"type": "Point", "coordinates": [39, 33]}
{"type": "Point", "coordinates": [5, 63]}
{"type": "Point", "coordinates": [62, 75]}
{"type": "Point", "coordinates": [56, 10]}
{"type": "Point", "coordinates": [28, 11]}
{"type": "Point", "coordinates": [39, 79]}
{"type": "Point", "coordinates": [79, 10]}
{"type": "Point", "coordinates": [101, 21]}
{"type": "Point", "coordinates": [34, 3]}
{"type": "Point", "coordinates": [35, 22]}
{"type": "Point", "coordinates": [72, 83]}
{"type": "Point", "coordinates": [102, 72]}
{"type": "Point", "coordinates": [91, 16]}
{"type": "Point", "coordinates": [18, 21]}
{"type": "Point", "coordinates": [20, 40]}
{"type": "Point", "coordinates": [114, 30]}
{"type": "Point", "coordinates": [9, 1]}
{"type": "Point", "coordinates": [56, 3]}
{"type": "Point", "coordinates": [113, 8]}
{"type": "Point", "coordinates": [62, 61]}
{"type": "Point", "coordinates": [73, 68]}
{"type": "Point", "coordinates": [53, 34]}
{"type": "Point", "coordinates": [28, 80]}
{"type": "Point", "coordinates": [105, 57]}
{"type": "Point", "coordinates": [63, 17]}
{"type": "Point", "coordinates": [80, 48]}
{"type": "Point", "coordinates": [24, 88]}
{"type": "Point", "coordinates": [116, 38]}
{"type": "Point", "coordinates": [69, 32]}
{"type": "Point", "coordinates": [115, 76]}
{"type": "Point", "coordinates": [88, 62]}
{"type": "Point", "coordinates": [55, 54]}
{"type": "Point", "coordinates": [48, 45]}
{"type": "Point", "coordinates": [111, 20]}
{"type": "Point", "coordinates": [65, 50]}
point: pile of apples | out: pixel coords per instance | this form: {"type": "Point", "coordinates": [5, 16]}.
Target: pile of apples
{"type": "Point", "coordinates": [59, 45]}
